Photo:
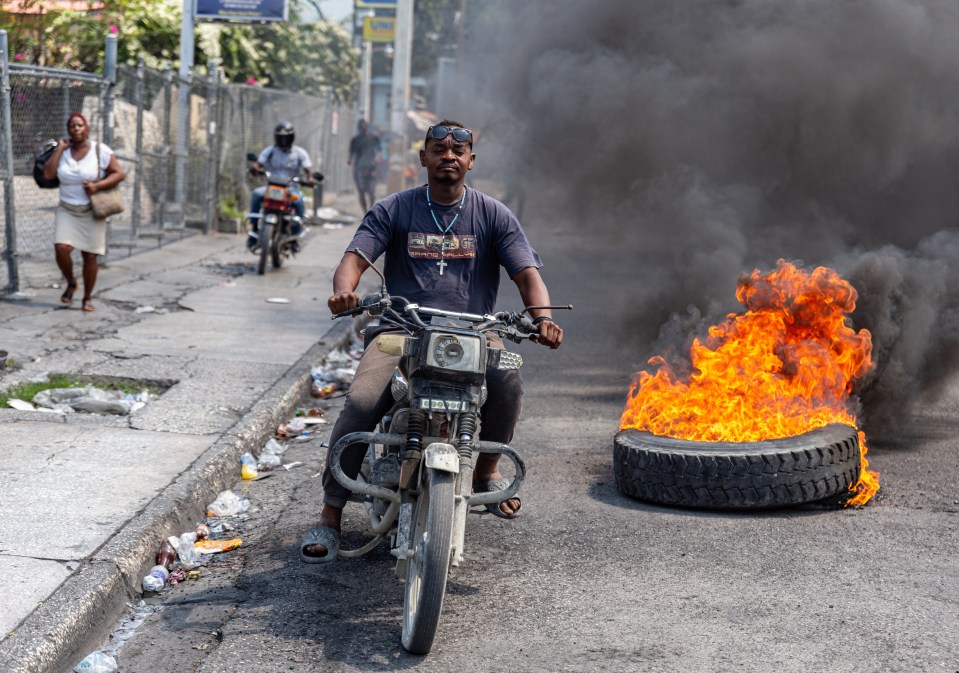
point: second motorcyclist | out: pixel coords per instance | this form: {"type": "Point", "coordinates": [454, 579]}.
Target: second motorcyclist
{"type": "Point", "coordinates": [444, 245]}
{"type": "Point", "coordinates": [283, 159]}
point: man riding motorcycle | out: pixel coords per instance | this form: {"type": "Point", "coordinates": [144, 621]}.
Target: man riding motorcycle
{"type": "Point", "coordinates": [283, 159]}
{"type": "Point", "coordinates": [444, 246]}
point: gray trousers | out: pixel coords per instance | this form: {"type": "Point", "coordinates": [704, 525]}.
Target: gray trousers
{"type": "Point", "coordinates": [369, 399]}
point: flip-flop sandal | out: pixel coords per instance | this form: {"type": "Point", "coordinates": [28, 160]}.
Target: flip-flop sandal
{"type": "Point", "coordinates": [324, 535]}
{"type": "Point", "coordinates": [500, 484]}
{"type": "Point", "coordinates": [67, 295]}
{"type": "Point", "coordinates": [87, 306]}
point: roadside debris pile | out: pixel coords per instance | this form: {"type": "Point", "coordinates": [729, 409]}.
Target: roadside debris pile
{"type": "Point", "coordinates": [89, 400]}
{"type": "Point", "coordinates": [179, 556]}
{"type": "Point", "coordinates": [337, 370]}
{"type": "Point", "coordinates": [178, 559]}
{"type": "Point", "coordinates": [301, 426]}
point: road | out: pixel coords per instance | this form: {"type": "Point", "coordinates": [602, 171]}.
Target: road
{"type": "Point", "coordinates": [589, 580]}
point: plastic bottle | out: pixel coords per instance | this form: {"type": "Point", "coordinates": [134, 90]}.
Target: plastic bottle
{"type": "Point", "coordinates": [166, 555]}
{"type": "Point", "coordinates": [248, 466]}
{"type": "Point", "coordinates": [189, 556]}
{"type": "Point", "coordinates": [156, 579]}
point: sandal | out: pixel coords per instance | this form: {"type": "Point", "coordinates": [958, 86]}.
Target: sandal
{"type": "Point", "coordinates": [500, 484]}
{"type": "Point", "coordinates": [87, 306]}
{"type": "Point", "coordinates": [324, 535]}
{"type": "Point", "coordinates": [67, 295]}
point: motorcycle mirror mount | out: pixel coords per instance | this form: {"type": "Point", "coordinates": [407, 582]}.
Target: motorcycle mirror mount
{"type": "Point", "coordinates": [379, 273]}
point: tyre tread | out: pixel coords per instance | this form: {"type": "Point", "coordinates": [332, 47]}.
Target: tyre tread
{"type": "Point", "coordinates": [725, 475]}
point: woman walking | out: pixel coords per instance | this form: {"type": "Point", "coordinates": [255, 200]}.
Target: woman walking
{"type": "Point", "coordinates": [79, 163]}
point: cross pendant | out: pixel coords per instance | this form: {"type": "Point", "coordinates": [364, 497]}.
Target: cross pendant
{"type": "Point", "coordinates": [442, 265]}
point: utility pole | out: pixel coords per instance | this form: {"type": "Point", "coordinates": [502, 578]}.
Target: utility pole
{"type": "Point", "coordinates": [366, 75]}
{"type": "Point", "coordinates": [183, 109]}
{"type": "Point", "coordinates": [400, 98]}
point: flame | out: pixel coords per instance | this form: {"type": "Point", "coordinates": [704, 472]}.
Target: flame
{"type": "Point", "coordinates": [786, 366]}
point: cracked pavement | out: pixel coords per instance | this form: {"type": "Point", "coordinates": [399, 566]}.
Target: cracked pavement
{"type": "Point", "coordinates": [86, 497]}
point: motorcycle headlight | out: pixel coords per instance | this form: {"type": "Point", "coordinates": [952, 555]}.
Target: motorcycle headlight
{"type": "Point", "coordinates": [455, 352]}
{"type": "Point", "coordinates": [275, 193]}
{"type": "Point", "coordinates": [271, 218]}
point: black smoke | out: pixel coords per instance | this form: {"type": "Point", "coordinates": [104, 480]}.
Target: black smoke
{"type": "Point", "coordinates": [728, 134]}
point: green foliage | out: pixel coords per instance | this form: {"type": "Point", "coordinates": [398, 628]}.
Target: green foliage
{"type": "Point", "coordinates": [303, 57]}
{"type": "Point", "coordinates": [229, 210]}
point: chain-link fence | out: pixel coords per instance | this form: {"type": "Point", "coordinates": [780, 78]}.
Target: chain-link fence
{"type": "Point", "coordinates": [167, 191]}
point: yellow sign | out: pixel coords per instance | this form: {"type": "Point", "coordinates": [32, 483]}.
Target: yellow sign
{"type": "Point", "coordinates": [379, 28]}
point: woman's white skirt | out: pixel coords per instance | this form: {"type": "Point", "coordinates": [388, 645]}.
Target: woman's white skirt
{"type": "Point", "coordinates": [75, 226]}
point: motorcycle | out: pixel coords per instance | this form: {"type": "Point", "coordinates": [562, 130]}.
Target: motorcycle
{"type": "Point", "coordinates": [416, 480]}
{"type": "Point", "coordinates": [278, 220]}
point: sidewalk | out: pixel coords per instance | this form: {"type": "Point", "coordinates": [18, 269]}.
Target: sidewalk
{"type": "Point", "coordinates": [84, 498]}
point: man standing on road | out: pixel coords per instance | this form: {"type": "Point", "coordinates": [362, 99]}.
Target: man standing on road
{"type": "Point", "coordinates": [364, 147]}
{"type": "Point", "coordinates": [414, 229]}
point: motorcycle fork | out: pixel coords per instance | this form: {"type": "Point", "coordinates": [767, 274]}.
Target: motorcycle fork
{"type": "Point", "coordinates": [463, 428]}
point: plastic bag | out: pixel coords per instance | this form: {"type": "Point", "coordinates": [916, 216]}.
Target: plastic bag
{"type": "Point", "coordinates": [96, 662]}
{"type": "Point", "coordinates": [227, 503]}
{"type": "Point", "coordinates": [186, 551]}
{"type": "Point", "coordinates": [268, 461]}
{"type": "Point", "coordinates": [274, 447]}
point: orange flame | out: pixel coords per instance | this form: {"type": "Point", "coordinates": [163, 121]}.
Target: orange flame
{"type": "Point", "coordinates": [786, 366]}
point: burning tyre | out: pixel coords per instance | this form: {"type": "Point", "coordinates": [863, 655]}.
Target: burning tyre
{"type": "Point", "coordinates": [805, 468]}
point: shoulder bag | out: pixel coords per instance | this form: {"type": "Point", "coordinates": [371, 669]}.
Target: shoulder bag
{"type": "Point", "coordinates": [46, 151]}
{"type": "Point", "coordinates": [105, 202]}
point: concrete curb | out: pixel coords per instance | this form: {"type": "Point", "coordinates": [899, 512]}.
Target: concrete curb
{"type": "Point", "coordinates": [83, 610]}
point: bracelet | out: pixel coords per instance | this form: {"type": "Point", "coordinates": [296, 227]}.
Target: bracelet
{"type": "Point", "coordinates": [542, 318]}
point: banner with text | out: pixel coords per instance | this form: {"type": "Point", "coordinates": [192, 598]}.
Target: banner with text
{"type": "Point", "coordinates": [240, 10]}
{"type": "Point", "coordinates": [379, 28]}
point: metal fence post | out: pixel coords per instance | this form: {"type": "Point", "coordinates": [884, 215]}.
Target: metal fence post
{"type": "Point", "coordinates": [165, 151]}
{"type": "Point", "coordinates": [212, 208]}
{"type": "Point", "coordinates": [9, 210]}
{"type": "Point", "coordinates": [110, 74]}
{"type": "Point", "coordinates": [138, 154]}
{"type": "Point", "coordinates": [65, 100]}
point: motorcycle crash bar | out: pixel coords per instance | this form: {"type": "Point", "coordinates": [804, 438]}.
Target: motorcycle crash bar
{"type": "Point", "coordinates": [358, 486]}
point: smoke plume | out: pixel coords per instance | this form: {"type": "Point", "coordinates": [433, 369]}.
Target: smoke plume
{"type": "Point", "coordinates": [728, 134]}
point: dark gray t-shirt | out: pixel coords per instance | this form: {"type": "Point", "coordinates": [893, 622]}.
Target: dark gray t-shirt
{"type": "Point", "coordinates": [456, 271]}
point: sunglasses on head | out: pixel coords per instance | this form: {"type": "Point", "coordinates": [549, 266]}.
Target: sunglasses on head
{"type": "Point", "coordinates": [460, 134]}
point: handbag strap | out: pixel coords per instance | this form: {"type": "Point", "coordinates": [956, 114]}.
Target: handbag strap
{"type": "Point", "coordinates": [98, 164]}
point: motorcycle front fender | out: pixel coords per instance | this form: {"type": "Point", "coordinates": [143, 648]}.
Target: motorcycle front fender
{"type": "Point", "coordinates": [443, 457]}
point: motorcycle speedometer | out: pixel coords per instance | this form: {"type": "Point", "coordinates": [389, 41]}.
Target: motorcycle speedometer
{"type": "Point", "coordinates": [448, 351]}
{"type": "Point", "coordinates": [455, 352]}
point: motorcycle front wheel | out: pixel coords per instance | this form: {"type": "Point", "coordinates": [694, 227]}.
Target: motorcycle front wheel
{"type": "Point", "coordinates": [276, 249]}
{"type": "Point", "coordinates": [427, 570]}
{"type": "Point", "coordinates": [266, 243]}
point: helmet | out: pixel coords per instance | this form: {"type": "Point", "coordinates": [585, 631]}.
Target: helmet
{"type": "Point", "coordinates": [283, 135]}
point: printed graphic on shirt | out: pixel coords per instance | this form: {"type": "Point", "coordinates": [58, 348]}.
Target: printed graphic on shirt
{"type": "Point", "coordinates": [447, 246]}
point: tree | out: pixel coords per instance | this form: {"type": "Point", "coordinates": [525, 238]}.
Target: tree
{"type": "Point", "coordinates": [289, 55]}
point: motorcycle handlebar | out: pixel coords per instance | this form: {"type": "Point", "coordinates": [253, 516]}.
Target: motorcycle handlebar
{"type": "Point", "coordinates": [516, 326]}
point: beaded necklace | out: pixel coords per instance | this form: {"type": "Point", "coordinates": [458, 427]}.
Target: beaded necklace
{"type": "Point", "coordinates": [455, 217]}
{"type": "Point", "coordinates": [442, 263]}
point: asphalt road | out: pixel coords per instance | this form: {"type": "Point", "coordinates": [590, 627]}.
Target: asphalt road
{"type": "Point", "coordinates": [589, 580]}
